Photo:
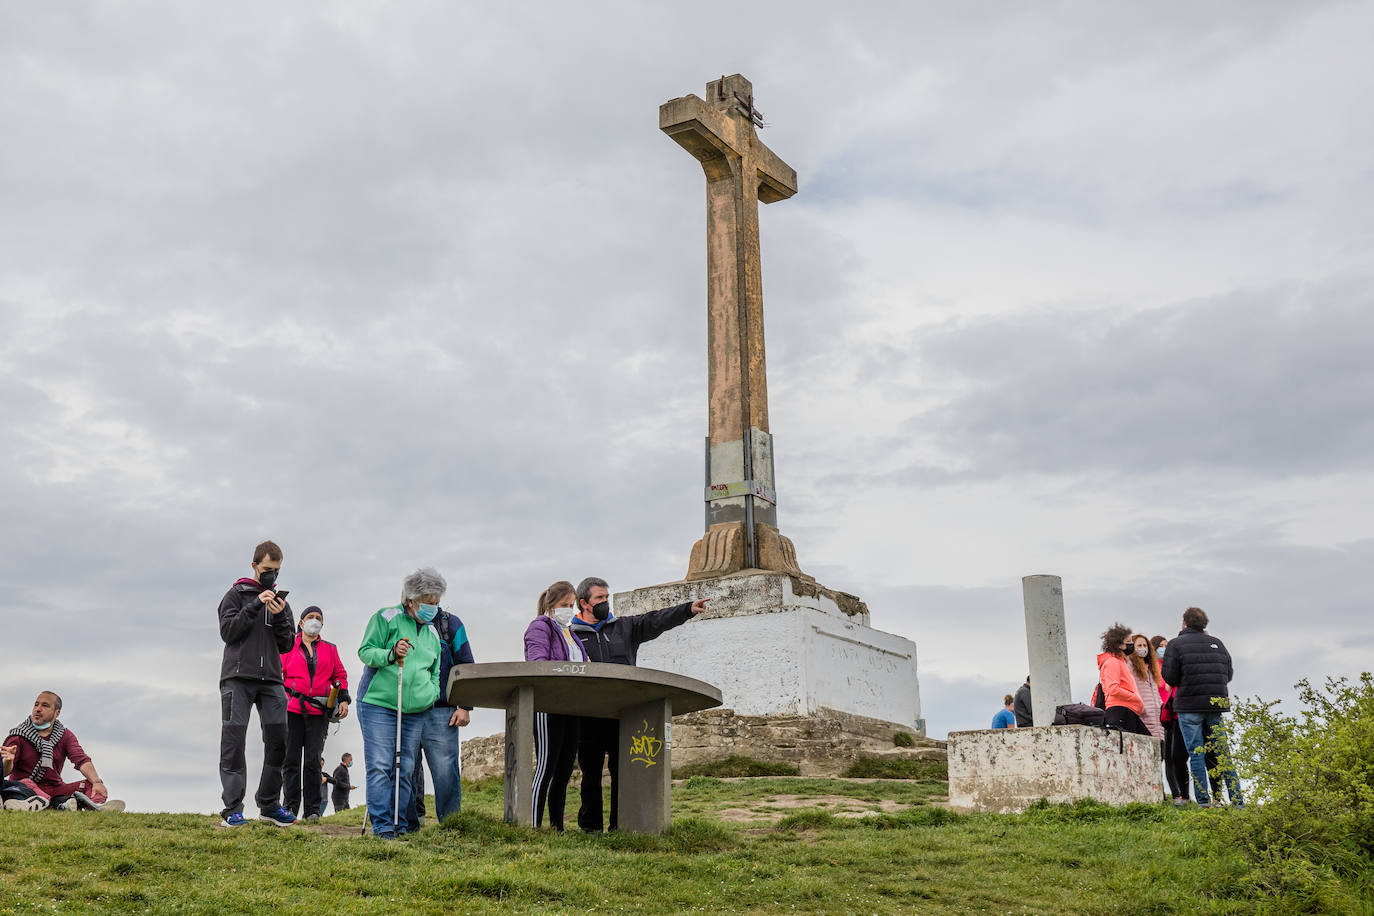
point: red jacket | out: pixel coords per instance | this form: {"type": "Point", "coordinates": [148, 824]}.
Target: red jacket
{"type": "Point", "coordinates": [1118, 683]}
{"type": "Point", "coordinates": [295, 673]}
{"type": "Point", "coordinates": [68, 750]}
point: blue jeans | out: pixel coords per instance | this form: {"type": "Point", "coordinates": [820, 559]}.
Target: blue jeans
{"type": "Point", "coordinates": [1199, 729]}
{"type": "Point", "coordinates": [378, 725]}
{"type": "Point", "coordinates": [439, 741]}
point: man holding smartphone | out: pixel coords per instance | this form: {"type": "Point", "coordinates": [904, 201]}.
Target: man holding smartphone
{"type": "Point", "coordinates": [256, 626]}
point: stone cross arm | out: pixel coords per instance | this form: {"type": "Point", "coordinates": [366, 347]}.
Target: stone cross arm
{"type": "Point", "coordinates": [715, 137]}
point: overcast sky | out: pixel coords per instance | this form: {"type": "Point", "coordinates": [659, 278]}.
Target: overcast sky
{"type": "Point", "coordinates": [1076, 288]}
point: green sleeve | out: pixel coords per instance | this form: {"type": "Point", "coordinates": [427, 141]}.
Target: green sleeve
{"type": "Point", "coordinates": [375, 651]}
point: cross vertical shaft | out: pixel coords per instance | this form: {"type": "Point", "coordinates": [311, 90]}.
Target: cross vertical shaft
{"type": "Point", "coordinates": [741, 172]}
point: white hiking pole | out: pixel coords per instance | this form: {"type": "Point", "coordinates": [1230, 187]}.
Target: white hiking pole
{"type": "Point", "coordinates": [400, 680]}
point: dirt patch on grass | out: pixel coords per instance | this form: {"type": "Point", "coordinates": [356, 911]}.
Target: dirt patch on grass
{"type": "Point", "coordinates": [775, 807]}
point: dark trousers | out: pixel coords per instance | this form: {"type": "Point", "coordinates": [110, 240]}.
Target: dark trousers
{"type": "Point", "coordinates": [1176, 761]}
{"type": "Point", "coordinates": [555, 749]}
{"type": "Point", "coordinates": [237, 697]}
{"type": "Point", "coordinates": [14, 789]}
{"type": "Point", "coordinates": [597, 740]}
{"type": "Point", "coordinates": [1125, 719]}
{"type": "Point", "coordinates": [304, 740]}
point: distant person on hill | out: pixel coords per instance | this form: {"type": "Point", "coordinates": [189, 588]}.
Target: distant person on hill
{"type": "Point", "coordinates": [340, 784]}
{"type": "Point", "coordinates": [616, 640]}
{"type": "Point", "coordinates": [1148, 683]}
{"type": "Point", "coordinates": [1123, 701]}
{"type": "Point", "coordinates": [255, 624]}
{"type": "Point", "coordinates": [1022, 706]}
{"type": "Point", "coordinates": [1005, 717]}
{"type": "Point", "coordinates": [41, 746]}
{"type": "Point", "coordinates": [1199, 665]}
{"type": "Point", "coordinates": [548, 639]}
{"type": "Point", "coordinates": [1175, 752]}
{"type": "Point", "coordinates": [399, 650]}
{"type": "Point", "coordinates": [312, 671]}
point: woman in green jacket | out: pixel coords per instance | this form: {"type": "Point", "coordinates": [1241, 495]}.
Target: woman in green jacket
{"type": "Point", "coordinates": [397, 646]}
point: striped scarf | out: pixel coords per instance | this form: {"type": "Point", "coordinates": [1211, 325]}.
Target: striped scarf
{"type": "Point", "coordinates": [44, 745]}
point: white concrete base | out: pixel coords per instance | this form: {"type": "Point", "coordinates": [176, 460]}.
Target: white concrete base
{"type": "Point", "coordinates": [776, 645]}
{"type": "Point", "coordinates": [1007, 770]}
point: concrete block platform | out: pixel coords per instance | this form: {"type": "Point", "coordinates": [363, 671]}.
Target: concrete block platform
{"type": "Point", "coordinates": [1007, 770]}
{"type": "Point", "coordinates": [776, 645]}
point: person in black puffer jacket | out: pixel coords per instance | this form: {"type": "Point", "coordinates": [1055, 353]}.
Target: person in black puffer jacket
{"type": "Point", "coordinates": [615, 640]}
{"type": "Point", "coordinates": [1198, 664]}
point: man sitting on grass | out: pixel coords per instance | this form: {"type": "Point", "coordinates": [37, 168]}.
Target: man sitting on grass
{"type": "Point", "coordinates": [42, 745]}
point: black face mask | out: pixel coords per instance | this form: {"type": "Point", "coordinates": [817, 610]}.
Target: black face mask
{"type": "Point", "coordinates": [601, 610]}
{"type": "Point", "coordinates": [267, 578]}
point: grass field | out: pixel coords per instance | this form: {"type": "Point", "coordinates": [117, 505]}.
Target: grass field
{"type": "Point", "coordinates": [763, 845]}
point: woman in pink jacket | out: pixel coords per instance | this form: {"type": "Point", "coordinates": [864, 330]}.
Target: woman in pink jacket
{"type": "Point", "coordinates": [1118, 682]}
{"type": "Point", "coordinates": [310, 671]}
{"type": "Point", "coordinates": [1175, 752]}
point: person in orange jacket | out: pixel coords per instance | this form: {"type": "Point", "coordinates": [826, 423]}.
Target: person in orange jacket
{"type": "Point", "coordinates": [1124, 705]}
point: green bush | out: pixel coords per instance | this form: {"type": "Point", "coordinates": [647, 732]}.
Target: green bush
{"type": "Point", "coordinates": [903, 739]}
{"type": "Point", "coordinates": [1310, 784]}
{"type": "Point", "coordinates": [734, 765]}
{"type": "Point", "coordinates": [896, 768]}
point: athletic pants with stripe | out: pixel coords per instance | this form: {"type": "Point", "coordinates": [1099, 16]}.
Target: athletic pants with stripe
{"type": "Point", "coordinates": [555, 751]}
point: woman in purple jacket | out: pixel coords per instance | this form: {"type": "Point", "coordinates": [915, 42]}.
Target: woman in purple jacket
{"type": "Point", "coordinates": [548, 639]}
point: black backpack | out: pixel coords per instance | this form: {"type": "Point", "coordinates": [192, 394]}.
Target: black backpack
{"type": "Point", "coordinates": [1079, 714]}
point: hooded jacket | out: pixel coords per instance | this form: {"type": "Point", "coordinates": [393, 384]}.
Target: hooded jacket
{"type": "Point", "coordinates": [253, 646]}
{"type": "Point", "coordinates": [617, 639]}
{"type": "Point", "coordinates": [1118, 682]}
{"type": "Point", "coordinates": [1199, 667]}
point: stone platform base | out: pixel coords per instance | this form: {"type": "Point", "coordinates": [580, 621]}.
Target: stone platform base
{"type": "Point", "coordinates": [1007, 770]}
{"type": "Point", "coordinates": [821, 745]}
{"type": "Point", "coordinates": [779, 646]}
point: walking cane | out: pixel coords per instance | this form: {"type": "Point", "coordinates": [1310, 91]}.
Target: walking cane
{"type": "Point", "coordinates": [400, 680]}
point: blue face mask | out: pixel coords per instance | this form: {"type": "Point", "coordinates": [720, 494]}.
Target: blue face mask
{"type": "Point", "coordinates": [426, 612]}
{"type": "Point", "coordinates": [1160, 651]}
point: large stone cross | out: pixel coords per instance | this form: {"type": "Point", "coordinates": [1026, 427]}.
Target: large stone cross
{"type": "Point", "coordinates": [741, 499]}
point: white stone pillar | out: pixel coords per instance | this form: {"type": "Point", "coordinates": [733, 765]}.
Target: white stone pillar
{"type": "Point", "coordinates": [1046, 645]}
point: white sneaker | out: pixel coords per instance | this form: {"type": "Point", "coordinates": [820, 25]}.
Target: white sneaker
{"type": "Point", "coordinates": [32, 803]}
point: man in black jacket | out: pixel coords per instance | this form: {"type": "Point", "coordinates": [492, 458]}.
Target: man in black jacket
{"type": "Point", "coordinates": [1198, 664]}
{"type": "Point", "coordinates": [1022, 707]}
{"type": "Point", "coordinates": [615, 640]}
{"type": "Point", "coordinates": [256, 626]}
{"type": "Point", "coordinates": [341, 784]}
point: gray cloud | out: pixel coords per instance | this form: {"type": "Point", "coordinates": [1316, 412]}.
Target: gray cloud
{"type": "Point", "coordinates": [426, 287]}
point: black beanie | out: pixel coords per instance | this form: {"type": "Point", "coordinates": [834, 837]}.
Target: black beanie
{"type": "Point", "coordinates": [312, 610]}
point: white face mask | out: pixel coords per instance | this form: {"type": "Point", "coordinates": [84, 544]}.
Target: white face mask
{"type": "Point", "coordinates": [1142, 651]}
{"type": "Point", "coordinates": [563, 615]}
{"type": "Point", "coordinates": [312, 627]}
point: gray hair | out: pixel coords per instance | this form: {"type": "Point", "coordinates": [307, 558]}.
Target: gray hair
{"type": "Point", "coordinates": [424, 581]}
{"type": "Point", "coordinates": [584, 588]}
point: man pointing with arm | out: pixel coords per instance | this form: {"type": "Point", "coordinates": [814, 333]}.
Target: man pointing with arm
{"type": "Point", "coordinates": [615, 640]}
